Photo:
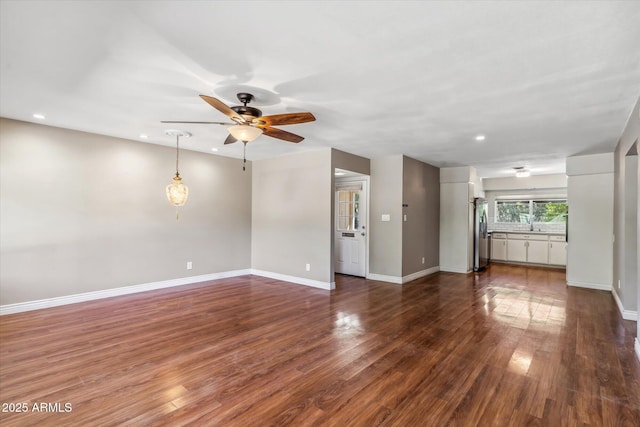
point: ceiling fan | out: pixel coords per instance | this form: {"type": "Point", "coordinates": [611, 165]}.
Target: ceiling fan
{"type": "Point", "coordinates": [249, 122]}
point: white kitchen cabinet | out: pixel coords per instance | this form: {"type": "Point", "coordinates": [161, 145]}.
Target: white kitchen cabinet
{"type": "Point", "coordinates": [517, 250]}
{"type": "Point", "coordinates": [533, 248]}
{"type": "Point", "coordinates": [557, 250]}
{"type": "Point", "coordinates": [538, 251]}
{"type": "Point", "coordinates": [499, 246]}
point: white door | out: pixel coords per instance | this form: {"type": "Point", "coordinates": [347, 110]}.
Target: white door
{"type": "Point", "coordinates": [351, 228]}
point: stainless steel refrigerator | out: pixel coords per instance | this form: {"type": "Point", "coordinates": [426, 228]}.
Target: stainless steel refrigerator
{"type": "Point", "coordinates": [480, 235]}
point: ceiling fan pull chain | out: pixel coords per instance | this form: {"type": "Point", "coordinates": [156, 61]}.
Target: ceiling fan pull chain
{"type": "Point", "coordinates": [244, 161]}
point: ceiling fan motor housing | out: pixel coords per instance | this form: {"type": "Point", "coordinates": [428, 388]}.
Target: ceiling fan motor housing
{"type": "Point", "coordinates": [246, 112]}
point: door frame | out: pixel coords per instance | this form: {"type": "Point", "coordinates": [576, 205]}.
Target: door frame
{"type": "Point", "coordinates": [354, 177]}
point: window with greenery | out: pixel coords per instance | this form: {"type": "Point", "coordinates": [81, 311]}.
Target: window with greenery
{"type": "Point", "coordinates": [514, 211]}
{"type": "Point", "coordinates": [549, 210]}
{"type": "Point", "coordinates": [528, 211]}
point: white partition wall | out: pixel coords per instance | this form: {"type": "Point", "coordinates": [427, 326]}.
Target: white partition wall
{"type": "Point", "coordinates": [590, 225]}
{"type": "Point", "coordinates": [456, 219]}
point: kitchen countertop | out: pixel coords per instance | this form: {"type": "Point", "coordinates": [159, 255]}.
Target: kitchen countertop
{"type": "Point", "coordinates": [549, 233]}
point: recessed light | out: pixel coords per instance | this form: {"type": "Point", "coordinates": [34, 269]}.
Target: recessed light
{"type": "Point", "coordinates": [39, 116]}
{"type": "Point", "coordinates": [480, 137]}
{"type": "Point", "coordinates": [143, 136]}
{"type": "Point", "coordinates": [214, 149]}
{"type": "Point", "coordinates": [521, 172]}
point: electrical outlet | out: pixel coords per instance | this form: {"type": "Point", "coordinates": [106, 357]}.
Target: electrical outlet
{"type": "Point", "coordinates": [308, 267]}
{"type": "Point", "coordinates": [423, 260]}
{"type": "Point", "coordinates": [189, 265]}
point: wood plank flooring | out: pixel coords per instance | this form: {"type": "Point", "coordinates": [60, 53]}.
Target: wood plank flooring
{"type": "Point", "coordinates": [511, 346]}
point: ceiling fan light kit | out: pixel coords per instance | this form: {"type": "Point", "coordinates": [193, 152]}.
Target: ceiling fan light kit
{"type": "Point", "coordinates": [244, 133]}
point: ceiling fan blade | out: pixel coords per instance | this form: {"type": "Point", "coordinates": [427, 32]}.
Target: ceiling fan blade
{"type": "Point", "coordinates": [284, 119]}
{"type": "Point", "coordinates": [281, 134]}
{"type": "Point", "coordinates": [223, 108]}
{"type": "Point", "coordinates": [230, 139]}
{"type": "Point", "coordinates": [200, 123]}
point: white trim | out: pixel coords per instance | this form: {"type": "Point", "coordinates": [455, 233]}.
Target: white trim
{"type": "Point", "coordinates": [384, 278]}
{"type": "Point", "coordinates": [626, 314]}
{"type": "Point", "coordinates": [107, 293]}
{"type": "Point", "coordinates": [454, 270]}
{"type": "Point", "coordinates": [294, 279]}
{"type": "Point", "coordinates": [419, 274]}
{"type": "Point", "coordinates": [598, 286]}
{"type": "Point", "coordinates": [637, 347]}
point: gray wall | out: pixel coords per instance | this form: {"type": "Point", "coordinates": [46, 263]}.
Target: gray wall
{"type": "Point", "coordinates": [291, 219]}
{"type": "Point", "coordinates": [350, 162]}
{"type": "Point", "coordinates": [626, 197]}
{"type": "Point", "coordinates": [83, 212]}
{"type": "Point", "coordinates": [385, 245]}
{"type": "Point", "coordinates": [421, 231]}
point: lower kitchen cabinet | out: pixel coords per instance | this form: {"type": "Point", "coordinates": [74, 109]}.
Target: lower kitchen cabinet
{"type": "Point", "coordinates": [499, 247]}
{"type": "Point", "coordinates": [538, 251]}
{"type": "Point", "coordinates": [517, 250]}
{"type": "Point", "coordinates": [534, 248]}
{"type": "Point", "coordinates": [557, 250]}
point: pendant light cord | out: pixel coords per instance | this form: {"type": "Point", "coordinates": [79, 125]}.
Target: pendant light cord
{"type": "Point", "coordinates": [177, 153]}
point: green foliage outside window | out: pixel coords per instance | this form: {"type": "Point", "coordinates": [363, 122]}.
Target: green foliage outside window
{"type": "Point", "coordinates": [550, 211]}
{"type": "Point", "coordinates": [512, 211]}
{"type": "Point", "coordinates": [525, 211]}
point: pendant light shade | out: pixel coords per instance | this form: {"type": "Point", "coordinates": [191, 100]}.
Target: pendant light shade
{"type": "Point", "coordinates": [177, 192]}
{"type": "Point", "coordinates": [244, 133]}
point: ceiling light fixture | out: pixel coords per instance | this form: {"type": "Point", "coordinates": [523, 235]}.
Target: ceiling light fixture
{"type": "Point", "coordinates": [143, 136]}
{"type": "Point", "coordinates": [521, 172]}
{"type": "Point", "coordinates": [214, 149]}
{"type": "Point", "coordinates": [480, 137]}
{"type": "Point", "coordinates": [244, 133]}
{"type": "Point", "coordinates": [39, 116]}
{"type": "Point", "coordinates": [177, 192]}
{"type": "Point", "coordinates": [339, 173]}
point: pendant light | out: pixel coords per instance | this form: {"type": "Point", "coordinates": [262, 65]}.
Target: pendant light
{"type": "Point", "coordinates": [177, 192]}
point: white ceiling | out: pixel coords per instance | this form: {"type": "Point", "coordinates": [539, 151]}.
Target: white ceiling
{"type": "Point", "coordinates": [542, 80]}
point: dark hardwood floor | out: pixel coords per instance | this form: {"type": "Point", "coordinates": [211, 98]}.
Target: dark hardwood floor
{"type": "Point", "coordinates": [511, 346]}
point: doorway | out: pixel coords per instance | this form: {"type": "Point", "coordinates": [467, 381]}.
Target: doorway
{"type": "Point", "coordinates": [351, 230]}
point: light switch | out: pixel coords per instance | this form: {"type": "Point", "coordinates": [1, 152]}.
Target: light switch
{"type": "Point", "coordinates": [386, 217]}
{"type": "Point", "coordinates": [405, 217]}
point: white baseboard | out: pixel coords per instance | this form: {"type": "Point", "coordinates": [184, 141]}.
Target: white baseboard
{"type": "Point", "coordinates": [401, 280]}
{"type": "Point", "coordinates": [384, 278]}
{"type": "Point", "coordinates": [598, 286]}
{"type": "Point", "coordinates": [107, 293]}
{"type": "Point", "coordinates": [454, 270]}
{"type": "Point", "coordinates": [419, 274]}
{"type": "Point", "coordinates": [637, 347]}
{"type": "Point", "coordinates": [294, 279]}
{"type": "Point", "coordinates": [626, 314]}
